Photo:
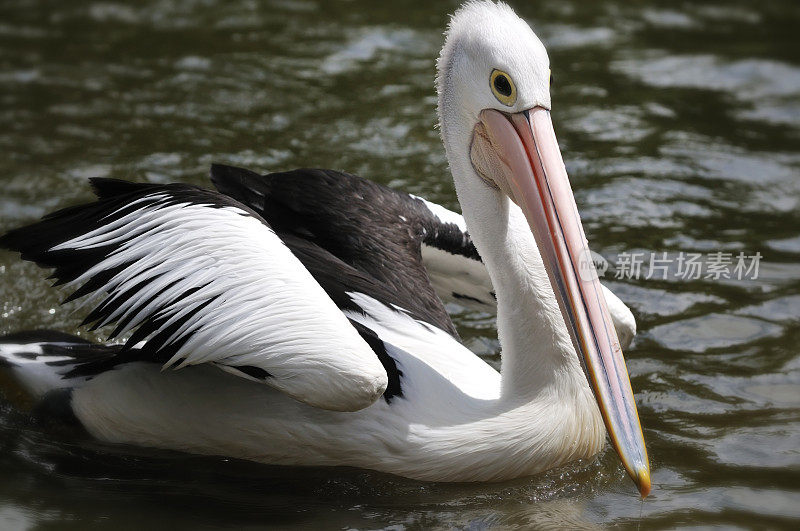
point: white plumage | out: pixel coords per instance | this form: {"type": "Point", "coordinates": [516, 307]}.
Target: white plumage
{"type": "Point", "coordinates": [450, 425]}
{"type": "Point", "coordinates": [258, 306]}
{"type": "Point", "coordinates": [209, 285]}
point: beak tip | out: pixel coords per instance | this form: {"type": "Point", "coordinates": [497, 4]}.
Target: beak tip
{"type": "Point", "coordinates": [643, 482]}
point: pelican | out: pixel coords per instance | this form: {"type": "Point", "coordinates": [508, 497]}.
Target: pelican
{"type": "Point", "coordinates": [297, 319]}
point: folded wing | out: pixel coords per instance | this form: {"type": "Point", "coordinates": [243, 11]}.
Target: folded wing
{"type": "Point", "coordinates": [418, 252]}
{"type": "Point", "coordinates": [202, 279]}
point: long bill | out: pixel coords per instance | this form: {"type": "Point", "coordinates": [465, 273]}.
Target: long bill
{"type": "Point", "coordinates": [535, 178]}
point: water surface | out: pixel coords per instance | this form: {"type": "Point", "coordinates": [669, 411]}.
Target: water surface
{"type": "Point", "coordinates": [679, 123]}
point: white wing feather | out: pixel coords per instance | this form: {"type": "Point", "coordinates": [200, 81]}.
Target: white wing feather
{"type": "Point", "coordinates": [249, 301]}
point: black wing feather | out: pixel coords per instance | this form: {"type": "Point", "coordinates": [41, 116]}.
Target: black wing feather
{"type": "Point", "coordinates": [373, 229]}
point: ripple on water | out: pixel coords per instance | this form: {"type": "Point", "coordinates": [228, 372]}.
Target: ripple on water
{"type": "Point", "coordinates": [366, 44]}
{"type": "Point", "coordinates": [713, 331]}
{"type": "Point", "coordinates": [666, 18]}
{"type": "Point", "coordinates": [717, 160]}
{"type": "Point", "coordinates": [565, 36]}
{"type": "Point", "coordinates": [780, 309]}
{"type": "Point", "coordinates": [788, 245]}
{"type": "Point", "coordinates": [648, 301]}
{"type": "Point", "coordinates": [622, 124]}
{"type": "Point", "coordinates": [767, 90]}
{"type": "Point", "coordinates": [747, 79]}
{"type": "Point", "coordinates": [642, 202]}
{"type": "Point", "coordinates": [105, 12]}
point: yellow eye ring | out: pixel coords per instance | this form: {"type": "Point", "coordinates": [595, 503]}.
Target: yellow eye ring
{"type": "Point", "coordinates": [503, 87]}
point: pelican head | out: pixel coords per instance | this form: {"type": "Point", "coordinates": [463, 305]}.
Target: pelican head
{"type": "Point", "coordinates": [494, 110]}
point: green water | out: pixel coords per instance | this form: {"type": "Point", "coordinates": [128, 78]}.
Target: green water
{"type": "Point", "coordinates": [679, 123]}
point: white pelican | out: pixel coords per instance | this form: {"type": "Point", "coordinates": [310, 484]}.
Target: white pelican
{"type": "Point", "coordinates": [303, 325]}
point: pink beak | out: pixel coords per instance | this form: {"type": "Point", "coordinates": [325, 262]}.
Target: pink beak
{"type": "Point", "coordinates": [537, 181]}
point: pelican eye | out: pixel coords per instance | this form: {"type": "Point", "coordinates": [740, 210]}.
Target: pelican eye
{"type": "Point", "coordinates": [503, 88]}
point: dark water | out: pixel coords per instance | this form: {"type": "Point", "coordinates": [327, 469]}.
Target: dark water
{"type": "Point", "coordinates": [679, 123]}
